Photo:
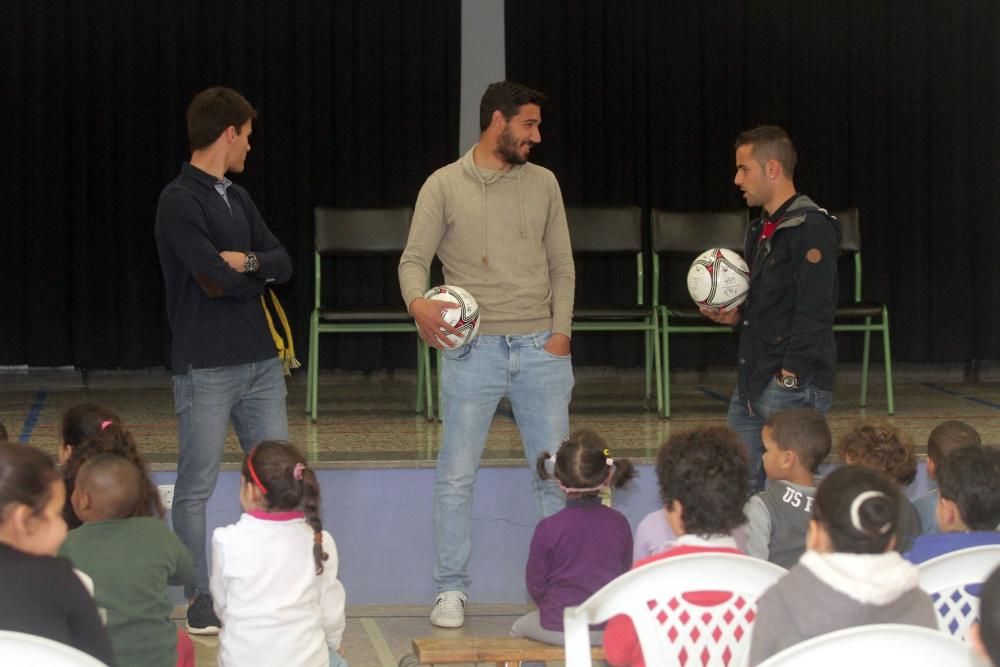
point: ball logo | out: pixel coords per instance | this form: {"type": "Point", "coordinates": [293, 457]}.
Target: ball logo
{"type": "Point", "coordinates": [718, 278]}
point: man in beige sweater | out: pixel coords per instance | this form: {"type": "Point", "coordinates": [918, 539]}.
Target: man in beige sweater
{"type": "Point", "coordinates": [498, 225]}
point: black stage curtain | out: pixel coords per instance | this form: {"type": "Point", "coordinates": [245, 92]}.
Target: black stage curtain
{"type": "Point", "coordinates": [893, 107]}
{"type": "Point", "coordinates": [358, 103]}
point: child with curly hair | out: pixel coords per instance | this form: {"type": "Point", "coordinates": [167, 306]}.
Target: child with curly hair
{"type": "Point", "coordinates": [885, 447]}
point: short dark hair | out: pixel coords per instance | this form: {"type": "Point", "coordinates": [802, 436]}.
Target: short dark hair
{"type": "Point", "coordinates": [949, 436]}
{"type": "Point", "coordinates": [970, 477]}
{"type": "Point", "coordinates": [868, 529]}
{"type": "Point", "coordinates": [212, 111]}
{"type": "Point", "coordinates": [803, 431]}
{"type": "Point", "coordinates": [880, 445]}
{"type": "Point", "coordinates": [706, 470]}
{"type": "Point", "coordinates": [26, 477]}
{"type": "Point", "coordinates": [114, 484]}
{"type": "Point", "coordinates": [989, 616]}
{"type": "Point", "coordinates": [507, 97]}
{"type": "Point", "coordinates": [771, 142]}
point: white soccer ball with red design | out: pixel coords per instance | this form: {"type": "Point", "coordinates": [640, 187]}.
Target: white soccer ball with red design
{"type": "Point", "coordinates": [719, 278]}
{"type": "Point", "coordinates": [465, 318]}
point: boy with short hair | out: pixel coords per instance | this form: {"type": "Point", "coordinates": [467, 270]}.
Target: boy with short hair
{"type": "Point", "coordinates": [131, 561]}
{"type": "Point", "coordinates": [968, 509]}
{"type": "Point", "coordinates": [703, 480]}
{"type": "Point", "coordinates": [796, 442]}
{"type": "Point", "coordinates": [944, 439]}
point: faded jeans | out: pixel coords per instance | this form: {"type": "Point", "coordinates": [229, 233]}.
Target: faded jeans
{"type": "Point", "coordinates": [252, 396]}
{"type": "Point", "coordinates": [473, 380]}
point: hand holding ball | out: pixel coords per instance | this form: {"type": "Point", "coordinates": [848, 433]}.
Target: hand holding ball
{"type": "Point", "coordinates": [465, 318]}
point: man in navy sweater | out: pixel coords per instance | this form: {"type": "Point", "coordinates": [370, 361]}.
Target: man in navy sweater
{"type": "Point", "coordinates": [218, 257]}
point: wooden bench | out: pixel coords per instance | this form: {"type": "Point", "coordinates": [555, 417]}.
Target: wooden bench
{"type": "Point", "coordinates": [503, 651]}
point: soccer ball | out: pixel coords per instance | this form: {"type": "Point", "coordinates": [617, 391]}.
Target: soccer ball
{"type": "Point", "coordinates": [718, 278]}
{"type": "Point", "coordinates": [465, 318]}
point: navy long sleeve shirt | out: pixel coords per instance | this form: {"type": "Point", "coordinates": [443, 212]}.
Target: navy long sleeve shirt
{"type": "Point", "coordinates": [215, 314]}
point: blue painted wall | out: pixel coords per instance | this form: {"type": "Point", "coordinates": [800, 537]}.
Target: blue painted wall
{"type": "Point", "coordinates": [382, 523]}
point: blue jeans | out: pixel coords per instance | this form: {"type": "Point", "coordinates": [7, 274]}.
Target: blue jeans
{"type": "Point", "coordinates": [473, 380]}
{"type": "Point", "coordinates": [252, 396]}
{"type": "Point", "coordinates": [747, 418]}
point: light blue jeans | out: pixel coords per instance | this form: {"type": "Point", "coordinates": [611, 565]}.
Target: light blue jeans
{"type": "Point", "coordinates": [473, 380]}
{"type": "Point", "coordinates": [252, 396]}
{"type": "Point", "coordinates": [747, 418]}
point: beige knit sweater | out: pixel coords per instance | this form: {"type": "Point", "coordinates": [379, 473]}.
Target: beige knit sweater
{"type": "Point", "coordinates": [502, 236]}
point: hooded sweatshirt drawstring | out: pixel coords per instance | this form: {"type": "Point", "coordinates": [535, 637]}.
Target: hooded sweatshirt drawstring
{"type": "Point", "coordinates": [520, 203]}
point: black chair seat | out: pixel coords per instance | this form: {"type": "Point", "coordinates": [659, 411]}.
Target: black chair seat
{"type": "Point", "coordinates": [592, 313]}
{"type": "Point", "coordinates": [686, 312]}
{"type": "Point", "coordinates": [859, 310]}
{"type": "Point", "coordinates": [364, 314]}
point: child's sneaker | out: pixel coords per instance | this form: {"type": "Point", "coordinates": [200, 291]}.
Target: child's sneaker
{"type": "Point", "coordinates": [449, 609]}
{"type": "Point", "coordinates": [201, 618]}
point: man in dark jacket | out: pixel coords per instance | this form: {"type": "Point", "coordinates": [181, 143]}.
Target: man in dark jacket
{"type": "Point", "coordinates": [787, 353]}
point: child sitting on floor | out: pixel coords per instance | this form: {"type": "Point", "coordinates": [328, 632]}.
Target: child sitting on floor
{"type": "Point", "coordinates": [850, 574]}
{"type": "Point", "coordinates": [881, 445]}
{"type": "Point", "coordinates": [968, 509]}
{"type": "Point", "coordinates": [703, 482]}
{"type": "Point", "coordinates": [41, 593]}
{"type": "Point", "coordinates": [944, 439]}
{"type": "Point", "coordinates": [131, 561]}
{"type": "Point", "coordinates": [582, 547]}
{"type": "Point", "coordinates": [274, 572]}
{"type": "Point", "coordinates": [89, 430]}
{"type": "Point", "coordinates": [795, 443]}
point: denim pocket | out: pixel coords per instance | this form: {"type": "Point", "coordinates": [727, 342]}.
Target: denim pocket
{"type": "Point", "coordinates": [182, 392]}
{"type": "Point", "coordinates": [458, 354]}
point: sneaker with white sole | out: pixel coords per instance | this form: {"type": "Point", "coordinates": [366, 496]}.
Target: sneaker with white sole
{"type": "Point", "coordinates": [201, 618]}
{"type": "Point", "coordinates": [449, 609]}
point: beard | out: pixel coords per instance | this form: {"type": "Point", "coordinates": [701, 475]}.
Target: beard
{"type": "Point", "coordinates": [507, 148]}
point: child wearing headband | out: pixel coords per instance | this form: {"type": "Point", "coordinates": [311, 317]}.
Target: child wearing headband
{"type": "Point", "coordinates": [850, 575]}
{"type": "Point", "coordinates": [88, 430]}
{"type": "Point", "coordinates": [274, 572]}
{"type": "Point", "coordinates": [577, 550]}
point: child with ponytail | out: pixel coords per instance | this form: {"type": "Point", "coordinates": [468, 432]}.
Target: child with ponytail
{"type": "Point", "coordinates": [579, 549]}
{"type": "Point", "coordinates": [274, 572]}
{"type": "Point", "coordinates": [850, 575]}
{"type": "Point", "coordinates": [89, 430]}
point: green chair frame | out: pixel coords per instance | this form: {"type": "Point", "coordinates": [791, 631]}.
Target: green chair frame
{"type": "Point", "coordinates": [610, 231]}
{"type": "Point", "coordinates": [367, 232]}
{"type": "Point", "coordinates": [687, 234]}
{"type": "Point", "coordinates": [874, 314]}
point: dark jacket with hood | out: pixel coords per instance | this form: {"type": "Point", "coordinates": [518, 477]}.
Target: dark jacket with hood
{"type": "Point", "coordinates": [788, 315]}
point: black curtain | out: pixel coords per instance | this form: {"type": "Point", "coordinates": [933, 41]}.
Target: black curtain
{"type": "Point", "coordinates": [358, 104]}
{"type": "Point", "coordinates": [893, 106]}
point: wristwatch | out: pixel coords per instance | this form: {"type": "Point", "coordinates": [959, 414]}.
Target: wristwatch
{"type": "Point", "coordinates": [788, 381]}
{"type": "Point", "coordinates": [250, 264]}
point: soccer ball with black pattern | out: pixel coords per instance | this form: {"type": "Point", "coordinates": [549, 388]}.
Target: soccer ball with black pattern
{"type": "Point", "coordinates": [465, 318]}
{"type": "Point", "coordinates": [718, 278]}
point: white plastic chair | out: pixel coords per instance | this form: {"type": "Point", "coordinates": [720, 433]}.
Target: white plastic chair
{"type": "Point", "coordinates": [946, 577]}
{"type": "Point", "coordinates": [18, 648]}
{"type": "Point", "coordinates": [879, 644]}
{"type": "Point", "coordinates": [671, 630]}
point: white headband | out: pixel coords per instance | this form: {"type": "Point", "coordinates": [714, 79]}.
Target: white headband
{"type": "Point", "coordinates": [856, 508]}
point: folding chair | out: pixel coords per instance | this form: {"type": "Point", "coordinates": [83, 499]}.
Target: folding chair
{"type": "Point", "coordinates": [346, 232]}
{"type": "Point", "coordinates": [617, 231]}
{"type": "Point", "coordinates": [683, 235]}
{"type": "Point", "coordinates": [877, 644]}
{"type": "Point", "coordinates": [947, 579]}
{"type": "Point", "coordinates": [669, 627]}
{"type": "Point", "coordinates": [863, 310]}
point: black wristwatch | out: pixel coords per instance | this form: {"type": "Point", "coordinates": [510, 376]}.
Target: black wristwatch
{"type": "Point", "coordinates": [788, 381]}
{"type": "Point", "coordinates": [250, 264]}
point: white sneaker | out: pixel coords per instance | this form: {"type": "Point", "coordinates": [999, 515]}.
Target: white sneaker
{"type": "Point", "coordinates": [449, 609]}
